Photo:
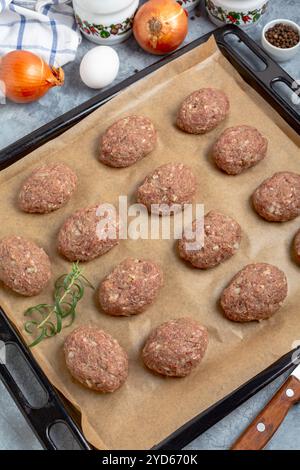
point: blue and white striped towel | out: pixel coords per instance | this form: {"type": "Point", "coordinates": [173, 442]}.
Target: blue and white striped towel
{"type": "Point", "coordinates": [45, 27]}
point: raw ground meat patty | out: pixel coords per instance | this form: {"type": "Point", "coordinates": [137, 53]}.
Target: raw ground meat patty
{"type": "Point", "coordinates": [277, 199]}
{"type": "Point", "coordinates": [239, 148]}
{"type": "Point", "coordinates": [222, 238]}
{"type": "Point", "coordinates": [96, 359]}
{"type": "Point", "coordinates": [172, 184]}
{"type": "Point", "coordinates": [81, 238]}
{"type": "Point", "coordinates": [296, 246]}
{"type": "Point", "coordinates": [47, 188]}
{"type": "Point", "coordinates": [255, 293]}
{"type": "Point", "coordinates": [175, 347]}
{"type": "Point", "coordinates": [24, 267]}
{"type": "Point", "coordinates": [131, 287]}
{"type": "Point", "coordinates": [202, 111]}
{"type": "Point", "coordinates": [128, 140]}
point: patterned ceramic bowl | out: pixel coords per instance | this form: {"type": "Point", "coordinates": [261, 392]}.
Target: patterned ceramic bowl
{"type": "Point", "coordinates": [245, 13]}
{"type": "Point", "coordinates": [103, 21]}
{"type": "Point", "coordinates": [188, 5]}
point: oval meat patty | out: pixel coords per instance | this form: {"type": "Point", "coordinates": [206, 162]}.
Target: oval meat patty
{"type": "Point", "coordinates": [255, 293]}
{"type": "Point", "coordinates": [96, 359]}
{"type": "Point", "coordinates": [222, 238]}
{"type": "Point", "coordinates": [239, 148]}
{"type": "Point", "coordinates": [296, 246]}
{"type": "Point", "coordinates": [127, 141]}
{"type": "Point", "coordinates": [175, 347]}
{"type": "Point", "coordinates": [24, 266]}
{"type": "Point", "coordinates": [202, 111]}
{"type": "Point", "coordinates": [277, 199]}
{"type": "Point", "coordinates": [82, 237]}
{"type": "Point", "coordinates": [48, 188]}
{"type": "Point", "coordinates": [170, 186]}
{"type": "Point", "coordinates": [131, 287]}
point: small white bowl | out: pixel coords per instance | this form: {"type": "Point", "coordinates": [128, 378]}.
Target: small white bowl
{"type": "Point", "coordinates": [278, 54]}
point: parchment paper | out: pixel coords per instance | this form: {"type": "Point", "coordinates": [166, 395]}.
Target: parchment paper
{"type": "Point", "coordinates": [148, 407]}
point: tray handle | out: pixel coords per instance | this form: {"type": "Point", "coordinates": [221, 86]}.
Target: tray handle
{"type": "Point", "coordinates": [43, 419]}
{"type": "Point", "coordinates": [262, 80]}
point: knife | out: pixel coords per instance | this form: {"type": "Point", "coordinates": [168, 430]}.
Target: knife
{"type": "Point", "coordinates": [262, 429]}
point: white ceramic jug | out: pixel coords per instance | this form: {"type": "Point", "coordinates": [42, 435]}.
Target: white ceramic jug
{"type": "Point", "coordinates": [105, 21]}
{"type": "Point", "coordinates": [188, 5]}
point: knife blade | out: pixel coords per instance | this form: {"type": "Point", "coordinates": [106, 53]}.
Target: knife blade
{"type": "Point", "coordinates": [296, 372]}
{"type": "Point", "coordinates": [262, 429]}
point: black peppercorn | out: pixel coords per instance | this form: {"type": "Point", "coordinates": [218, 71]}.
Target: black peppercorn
{"type": "Point", "coordinates": [283, 36]}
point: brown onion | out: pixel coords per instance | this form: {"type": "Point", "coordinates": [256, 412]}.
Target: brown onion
{"type": "Point", "coordinates": [160, 26]}
{"type": "Point", "coordinates": [26, 77]}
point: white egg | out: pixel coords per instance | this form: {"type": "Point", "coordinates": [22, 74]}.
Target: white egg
{"type": "Point", "coordinates": [99, 67]}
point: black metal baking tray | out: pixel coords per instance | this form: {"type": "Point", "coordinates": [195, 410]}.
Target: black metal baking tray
{"type": "Point", "coordinates": [54, 411]}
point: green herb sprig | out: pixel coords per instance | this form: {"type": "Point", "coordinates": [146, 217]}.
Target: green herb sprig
{"type": "Point", "coordinates": [48, 320]}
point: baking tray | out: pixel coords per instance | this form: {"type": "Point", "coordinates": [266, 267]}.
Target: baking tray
{"type": "Point", "coordinates": [248, 60]}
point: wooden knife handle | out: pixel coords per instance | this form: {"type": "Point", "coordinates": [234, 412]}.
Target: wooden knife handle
{"type": "Point", "coordinates": [260, 431]}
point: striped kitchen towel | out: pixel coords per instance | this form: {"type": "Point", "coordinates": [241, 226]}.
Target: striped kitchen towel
{"type": "Point", "coordinates": [45, 27]}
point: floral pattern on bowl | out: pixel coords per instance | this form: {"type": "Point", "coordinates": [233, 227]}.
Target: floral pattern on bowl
{"type": "Point", "coordinates": [102, 31]}
{"type": "Point", "coordinates": [234, 17]}
{"type": "Point", "coordinates": [188, 4]}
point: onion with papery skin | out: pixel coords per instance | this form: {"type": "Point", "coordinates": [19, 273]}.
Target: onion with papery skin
{"type": "Point", "coordinates": [26, 77]}
{"type": "Point", "coordinates": [160, 26]}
